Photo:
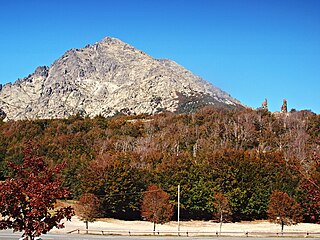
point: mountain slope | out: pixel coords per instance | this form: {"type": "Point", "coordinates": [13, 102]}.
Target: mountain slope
{"type": "Point", "coordinates": [105, 78]}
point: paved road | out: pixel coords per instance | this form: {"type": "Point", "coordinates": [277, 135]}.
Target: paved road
{"type": "Point", "coordinates": [8, 235]}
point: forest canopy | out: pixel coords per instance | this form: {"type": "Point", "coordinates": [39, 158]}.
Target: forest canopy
{"type": "Point", "coordinates": [243, 154]}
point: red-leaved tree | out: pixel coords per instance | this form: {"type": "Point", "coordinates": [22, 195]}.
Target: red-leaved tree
{"type": "Point", "coordinates": [311, 199]}
{"type": "Point", "coordinates": [156, 207]}
{"type": "Point", "coordinates": [310, 189]}
{"type": "Point", "coordinates": [27, 198]}
{"type": "Point", "coordinates": [88, 208]}
{"type": "Point", "coordinates": [283, 209]}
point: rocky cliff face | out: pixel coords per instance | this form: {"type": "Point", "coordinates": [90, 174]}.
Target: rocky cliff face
{"type": "Point", "coordinates": [106, 78]}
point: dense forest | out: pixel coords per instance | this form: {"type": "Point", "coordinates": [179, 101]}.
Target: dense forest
{"type": "Point", "coordinates": [244, 154]}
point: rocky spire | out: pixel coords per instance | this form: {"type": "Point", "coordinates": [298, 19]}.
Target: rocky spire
{"type": "Point", "coordinates": [284, 106]}
{"type": "Point", "coordinates": [265, 104]}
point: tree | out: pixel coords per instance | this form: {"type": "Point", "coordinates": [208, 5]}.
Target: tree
{"type": "Point", "coordinates": [27, 198]}
{"type": "Point", "coordinates": [221, 206]}
{"type": "Point", "coordinates": [311, 200]}
{"type": "Point", "coordinates": [283, 209]}
{"type": "Point", "coordinates": [310, 188]}
{"type": "Point", "coordinates": [155, 206]}
{"type": "Point", "coordinates": [120, 180]}
{"type": "Point", "coordinates": [88, 208]}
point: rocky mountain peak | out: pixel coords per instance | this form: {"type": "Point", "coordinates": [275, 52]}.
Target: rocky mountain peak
{"type": "Point", "coordinates": [111, 41]}
{"type": "Point", "coordinates": [106, 78]}
{"type": "Point", "coordinates": [41, 71]}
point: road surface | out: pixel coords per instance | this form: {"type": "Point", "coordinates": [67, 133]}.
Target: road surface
{"type": "Point", "coordinates": [8, 235]}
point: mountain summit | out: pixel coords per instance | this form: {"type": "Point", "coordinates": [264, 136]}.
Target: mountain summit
{"type": "Point", "coordinates": [104, 79]}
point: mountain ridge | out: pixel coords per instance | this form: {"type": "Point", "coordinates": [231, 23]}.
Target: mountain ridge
{"type": "Point", "coordinates": [105, 78]}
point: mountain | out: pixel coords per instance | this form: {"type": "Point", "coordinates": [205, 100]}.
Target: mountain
{"type": "Point", "coordinates": [107, 78]}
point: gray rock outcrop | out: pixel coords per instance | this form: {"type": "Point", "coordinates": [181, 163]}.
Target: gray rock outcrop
{"type": "Point", "coordinates": [107, 78]}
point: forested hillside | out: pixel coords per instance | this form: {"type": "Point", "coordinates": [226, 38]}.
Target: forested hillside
{"type": "Point", "coordinates": [246, 155]}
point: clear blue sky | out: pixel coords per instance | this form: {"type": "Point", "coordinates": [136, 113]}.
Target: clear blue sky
{"type": "Point", "coordinates": [253, 49]}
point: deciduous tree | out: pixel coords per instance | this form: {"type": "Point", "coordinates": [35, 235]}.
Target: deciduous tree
{"type": "Point", "coordinates": [310, 192]}
{"type": "Point", "coordinates": [283, 209]}
{"type": "Point", "coordinates": [27, 198]}
{"type": "Point", "coordinates": [221, 206]}
{"type": "Point", "coordinates": [88, 208]}
{"type": "Point", "coordinates": [311, 200]}
{"type": "Point", "coordinates": [156, 207]}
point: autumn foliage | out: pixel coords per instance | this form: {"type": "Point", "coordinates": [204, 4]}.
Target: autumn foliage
{"type": "Point", "coordinates": [28, 196]}
{"type": "Point", "coordinates": [88, 208]}
{"type": "Point", "coordinates": [245, 154]}
{"type": "Point", "coordinates": [155, 206]}
{"type": "Point", "coordinates": [222, 209]}
{"type": "Point", "coordinates": [310, 192]}
{"type": "Point", "coordinates": [283, 209]}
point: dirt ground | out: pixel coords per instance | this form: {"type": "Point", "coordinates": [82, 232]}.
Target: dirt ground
{"type": "Point", "coordinates": [190, 226]}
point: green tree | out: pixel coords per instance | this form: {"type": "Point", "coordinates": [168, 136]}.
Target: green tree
{"type": "Point", "coordinates": [118, 188]}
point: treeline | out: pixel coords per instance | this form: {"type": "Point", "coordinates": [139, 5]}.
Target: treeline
{"type": "Point", "coordinates": [246, 155]}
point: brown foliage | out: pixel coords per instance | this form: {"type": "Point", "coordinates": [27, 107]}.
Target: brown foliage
{"type": "Point", "coordinates": [245, 154]}
{"type": "Point", "coordinates": [155, 206]}
{"type": "Point", "coordinates": [283, 209]}
{"type": "Point", "coordinates": [88, 207]}
{"type": "Point", "coordinates": [221, 205]}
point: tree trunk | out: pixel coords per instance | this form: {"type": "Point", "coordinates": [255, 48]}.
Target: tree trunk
{"type": "Point", "coordinates": [154, 228]}
{"type": "Point", "coordinates": [221, 219]}
{"type": "Point", "coordinates": [87, 227]}
{"type": "Point", "coordinates": [282, 225]}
